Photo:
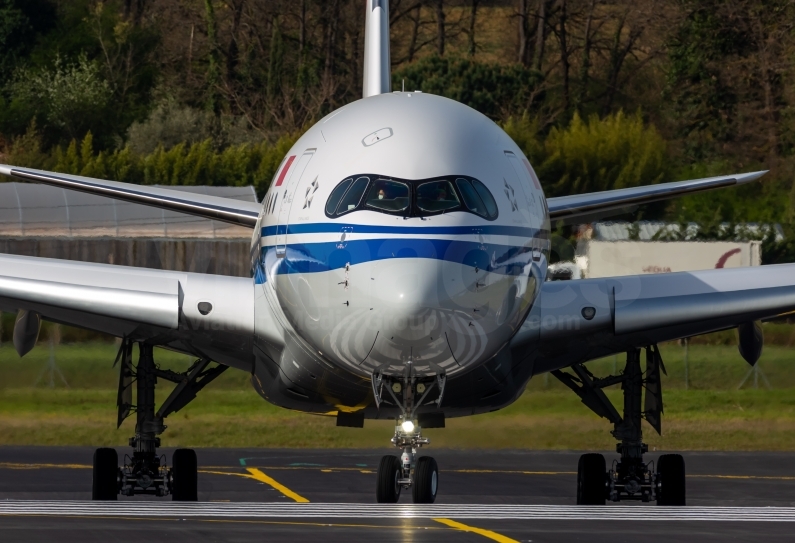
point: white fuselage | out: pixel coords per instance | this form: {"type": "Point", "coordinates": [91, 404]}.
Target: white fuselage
{"type": "Point", "coordinates": [387, 283]}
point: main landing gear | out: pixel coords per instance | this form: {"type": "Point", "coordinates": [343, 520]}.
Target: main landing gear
{"type": "Point", "coordinates": [421, 474]}
{"type": "Point", "coordinates": [630, 478]}
{"type": "Point", "coordinates": [146, 472]}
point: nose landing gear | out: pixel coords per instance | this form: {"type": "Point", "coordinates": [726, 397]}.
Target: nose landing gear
{"type": "Point", "coordinates": [146, 472]}
{"type": "Point", "coordinates": [395, 474]}
{"type": "Point", "coordinates": [420, 475]}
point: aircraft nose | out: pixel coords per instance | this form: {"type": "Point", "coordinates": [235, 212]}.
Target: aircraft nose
{"type": "Point", "coordinates": [405, 287]}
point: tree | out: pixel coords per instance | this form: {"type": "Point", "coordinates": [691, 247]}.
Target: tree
{"type": "Point", "coordinates": [20, 22]}
{"type": "Point", "coordinates": [71, 97]}
{"type": "Point", "coordinates": [473, 14]}
{"type": "Point", "coordinates": [495, 90]}
{"type": "Point", "coordinates": [728, 67]}
{"type": "Point", "coordinates": [440, 29]}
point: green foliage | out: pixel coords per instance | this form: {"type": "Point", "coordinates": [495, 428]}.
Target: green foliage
{"type": "Point", "coordinates": [169, 125]}
{"type": "Point", "coordinates": [13, 24]}
{"type": "Point", "coordinates": [525, 132]}
{"type": "Point", "coordinates": [601, 154]}
{"type": "Point", "coordinates": [27, 150]}
{"type": "Point", "coordinates": [728, 74]}
{"type": "Point", "coordinates": [85, 68]}
{"type": "Point", "coordinates": [20, 22]}
{"type": "Point", "coordinates": [276, 61]}
{"type": "Point", "coordinates": [702, 101]}
{"type": "Point", "coordinates": [496, 90]}
{"type": "Point", "coordinates": [184, 164]}
{"type": "Point", "coordinates": [69, 96]}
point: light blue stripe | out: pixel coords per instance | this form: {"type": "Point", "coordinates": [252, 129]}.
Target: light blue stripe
{"type": "Point", "coordinates": [332, 227]}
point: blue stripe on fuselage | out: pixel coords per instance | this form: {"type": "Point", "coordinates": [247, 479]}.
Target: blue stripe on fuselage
{"type": "Point", "coordinates": [321, 257]}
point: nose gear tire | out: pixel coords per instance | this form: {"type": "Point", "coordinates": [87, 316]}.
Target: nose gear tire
{"type": "Point", "coordinates": [426, 480]}
{"type": "Point", "coordinates": [671, 480]}
{"type": "Point", "coordinates": [184, 476]}
{"type": "Point", "coordinates": [388, 489]}
{"type": "Point", "coordinates": [591, 480]}
{"type": "Point", "coordinates": [106, 468]}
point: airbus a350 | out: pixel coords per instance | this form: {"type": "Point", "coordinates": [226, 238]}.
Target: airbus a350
{"type": "Point", "coordinates": [398, 271]}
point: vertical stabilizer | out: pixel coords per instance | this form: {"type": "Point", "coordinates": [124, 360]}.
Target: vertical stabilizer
{"type": "Point", "coordinates": [377, 66]}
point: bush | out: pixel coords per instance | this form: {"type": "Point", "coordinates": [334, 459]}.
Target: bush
{"type": "Point", "coordinates": [496, 90]}
{"type": "Point", "coordinates": [169, 125]}
{"type": "Point", "coordinates": [616, 152]}
{"type": "Point", "coordinates": [71, 97]}
{"type": "Point", "coordinates": [184, 164]}
{"type": "Point", "coordinates": [525, 132]}
{"type": "Point", "coordinates": [27, 150]}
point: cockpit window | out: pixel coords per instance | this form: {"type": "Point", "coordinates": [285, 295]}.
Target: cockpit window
{"type": "Point", "coordinates": [437, 196]}
{"type": "Point", "coordinates": [387, 195]}
{"type": "Point", "coordinates": [407, 198]}
{"type": "Point", "coordinates": [471, 198]}
{"type": "Point", "coordinates": [354, 195]}
{"type": "Point", "coordinates": [336, 196]}
{"type": "Point", "coordinates": [485, 195]}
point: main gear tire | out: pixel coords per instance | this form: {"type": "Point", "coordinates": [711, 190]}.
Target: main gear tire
{"type": "Point", "coordinates": [184, 476]}
{"type": "Point", "coordinates": [105, 485]}
{"type": "Point", "coordinates": [591, 480]}
{"type": "Point", "coordinates": [671, 488]}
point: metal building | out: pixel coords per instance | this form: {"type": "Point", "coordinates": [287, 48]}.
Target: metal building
{"type": "Point", "coordinates": [43, 221]}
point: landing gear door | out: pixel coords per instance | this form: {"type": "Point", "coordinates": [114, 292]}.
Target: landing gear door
{"type": "Point", "coordinates": [287, 193]}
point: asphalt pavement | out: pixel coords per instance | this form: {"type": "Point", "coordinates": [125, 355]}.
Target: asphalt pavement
{"type": "Point", "coordinates": [308, 495]}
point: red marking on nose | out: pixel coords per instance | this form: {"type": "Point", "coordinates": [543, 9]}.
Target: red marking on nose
{"type": "Point", "coordinates": [722, 260]}
{"type": "Point", "coordinates": [532, 173]}
{"type": "Point", "coordinates": [285, 170]}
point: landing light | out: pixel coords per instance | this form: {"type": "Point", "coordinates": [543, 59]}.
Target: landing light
{"type": "Point", "coordinates": [407, 426]}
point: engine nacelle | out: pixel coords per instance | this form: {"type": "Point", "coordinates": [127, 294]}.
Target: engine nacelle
{"type": "Point", "coordinates": [750, 341]}
{"type": "Point", "coordinates": [26, 331]}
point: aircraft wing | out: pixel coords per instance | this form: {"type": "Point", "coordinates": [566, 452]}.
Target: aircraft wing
{"type": "Point", "coordinates": [642, 310]}
{"type": "Point", "coordinates": [163, 307]}
{"type": "Point", "coordinates": [580, 206]}
{"type": "Point", "coordinates": [210, 207]}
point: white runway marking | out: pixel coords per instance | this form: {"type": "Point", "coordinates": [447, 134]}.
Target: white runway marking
{"type": "Point", "coordinates": [166, 509]}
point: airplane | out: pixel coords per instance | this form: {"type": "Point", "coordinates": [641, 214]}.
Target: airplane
{"type": "Point", "coordinates": [398, 271]}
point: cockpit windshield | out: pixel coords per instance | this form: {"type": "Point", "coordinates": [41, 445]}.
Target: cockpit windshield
{"type": "Point", "coordinates": [411, 198]}
{"type": "Point", "coordinates": [437, 196]}
{"type": "Point", "coordinates": [387, 195]}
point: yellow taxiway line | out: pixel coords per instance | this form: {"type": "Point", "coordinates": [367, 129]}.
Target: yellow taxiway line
{"type": "Point", "coordinates": [260, 476]}
{"type": "Point", "coordinates": [494, 536]}
{"type": "Point", "coordinates": [257, 475]}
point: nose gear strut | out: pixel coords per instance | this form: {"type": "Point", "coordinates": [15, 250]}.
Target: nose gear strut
{"type": "Point", "coordinates": [409, 392]}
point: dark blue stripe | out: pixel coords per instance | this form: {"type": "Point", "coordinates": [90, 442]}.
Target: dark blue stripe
{"type": "Point", "coordinates": [320, 257]}
{"type": "Point", "coordinates": [330, 227]}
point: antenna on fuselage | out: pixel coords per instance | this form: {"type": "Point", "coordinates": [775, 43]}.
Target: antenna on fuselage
{"type": "Point", "coordinates": [377, 64]}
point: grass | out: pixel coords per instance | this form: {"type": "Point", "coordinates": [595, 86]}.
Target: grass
{"type": "Point", "coordinates": [711, 415]}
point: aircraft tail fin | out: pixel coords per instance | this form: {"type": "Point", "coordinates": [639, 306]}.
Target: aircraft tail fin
{"type": "Point", "coordinates": [377, 65]}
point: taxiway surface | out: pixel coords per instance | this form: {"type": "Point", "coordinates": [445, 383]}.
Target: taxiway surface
{"type": "Point", "coordinates": [308, 495]}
